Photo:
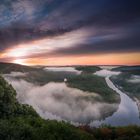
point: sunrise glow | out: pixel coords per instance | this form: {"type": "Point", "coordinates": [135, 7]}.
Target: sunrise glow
{"type": "Point", "coordinates": [81, 37]}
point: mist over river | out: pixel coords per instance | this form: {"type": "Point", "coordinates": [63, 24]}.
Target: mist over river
{"type": "Point", "coordinates": [127, 113]}
{"type": "Point", "coordinates": [56, 101]}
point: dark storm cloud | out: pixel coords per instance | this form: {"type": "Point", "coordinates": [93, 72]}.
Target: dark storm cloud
{"type": "Point", "coordinates": [24, 20]}
{"type": "Point", "coordinates": [123, 40]}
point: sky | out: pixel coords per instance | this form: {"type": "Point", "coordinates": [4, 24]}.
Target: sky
{"type": "Point", "coordinates": [70, 32]}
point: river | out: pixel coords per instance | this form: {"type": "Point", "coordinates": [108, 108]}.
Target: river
{"type": "Point", "coordinates": [127, 113]}
{"type": "Point", "coordinates": [36, 96]}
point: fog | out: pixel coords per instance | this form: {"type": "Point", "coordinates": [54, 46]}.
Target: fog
{"type": "Point", "coordinates": [127, 113]}
{"type": "Point", "coordinates": [134, 79]}
{"type": "Point", "coordinates": [66, 69]}
{"type": "Point", "coordinates": [106, 73]}
{"type": "Point", "coordinates": [57, 101]}
{"type": "Point", "coordinates": [16, 74]}
{"type": "Point", "coordinates": [108, 67]}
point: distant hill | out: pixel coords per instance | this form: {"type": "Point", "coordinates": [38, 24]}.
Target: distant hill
{"type": "Point", "coordinates": [40, 76]}
{"type": "Point", "coordinates": [128, 69]}
{"type": "Point", "coordinates": [9, 67]}
{"type": "Point", "coordinates": [88, 69]}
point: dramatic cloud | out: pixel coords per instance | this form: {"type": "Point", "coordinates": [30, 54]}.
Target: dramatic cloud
{"type": "Point", "coordinates": [67, 27]}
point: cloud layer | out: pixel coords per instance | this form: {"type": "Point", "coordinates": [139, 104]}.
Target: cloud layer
{"type": "Point", "coordinates": [57, 101]}
{"type": "Point", "coordinates": [71, 27]}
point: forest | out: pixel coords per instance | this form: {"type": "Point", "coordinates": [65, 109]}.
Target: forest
{"type": "Point", "coordinates": [21, 122]}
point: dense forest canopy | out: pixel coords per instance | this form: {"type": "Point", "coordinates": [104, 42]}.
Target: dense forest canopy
{"type": "Point", "coordinates": [21, 122]}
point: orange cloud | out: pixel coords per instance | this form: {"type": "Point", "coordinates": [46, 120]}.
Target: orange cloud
{"type": "Point", "coordinates": [95, 59]}
{"type": "Point", "coordinates": [46, 45]}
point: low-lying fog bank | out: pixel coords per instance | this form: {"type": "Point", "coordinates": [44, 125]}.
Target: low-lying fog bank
{"type": "Point", "coordinates": [127, 113]}
{"type": "Point", "coordinates": [15, 74]}
{"type": "Point", "coordinates": [108, 67]}
{"type": "Point", "coordinates": [134, 79]}
{"type": "Point", "coordinates": [65, 69]}
{"type": "Point", "coordinates": [57, 101]}
{"type": "Point", "coordinates": [106, 73]}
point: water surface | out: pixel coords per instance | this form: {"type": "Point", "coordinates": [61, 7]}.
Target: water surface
{"type": "Point", "coordinates": [127, 113]}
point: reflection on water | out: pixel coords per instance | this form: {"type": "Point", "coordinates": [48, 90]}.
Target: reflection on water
{"type": "Point", "coordinates": [126, 114]}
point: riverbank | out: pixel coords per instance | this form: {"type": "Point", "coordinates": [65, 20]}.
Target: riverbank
{"type": "Point", "coordinates": [127, 113]}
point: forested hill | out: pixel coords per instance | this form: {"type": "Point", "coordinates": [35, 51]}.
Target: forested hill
{"type": "Point", "coordinates": [128, 69]}
{"type": "Point", "coordinates": [9, 67]}
{"type": "Point", "coordinates": [21, 122]}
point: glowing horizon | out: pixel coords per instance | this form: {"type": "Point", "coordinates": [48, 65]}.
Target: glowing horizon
{"type": "Point", "coordinates": [120, 59]}
{"type": "Point", "coordinates": [35, 53]}
{"type": "Point", "coordinates": [50, 35]}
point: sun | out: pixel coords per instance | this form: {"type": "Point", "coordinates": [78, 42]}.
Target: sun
{"type": "Point", "coordinates": [17, 52]}
{"type": "Point", "coordinates": [19, 61]}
